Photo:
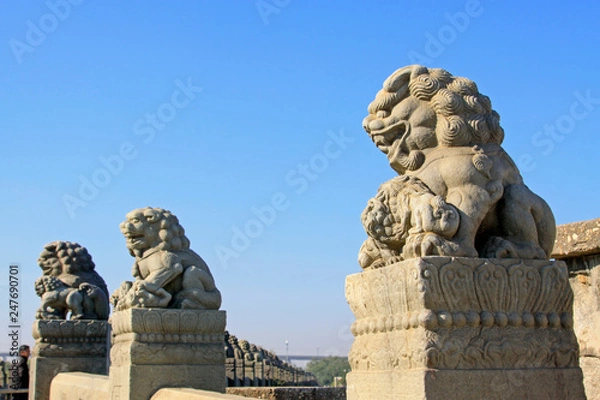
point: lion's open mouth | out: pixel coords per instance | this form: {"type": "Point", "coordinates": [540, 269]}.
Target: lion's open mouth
{"type": "Point", "coordinates": [134, 237]}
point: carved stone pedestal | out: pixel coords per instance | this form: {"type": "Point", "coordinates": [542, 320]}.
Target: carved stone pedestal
{"type": "Point", "coordinates": [66, 346]}
{"type": "Point", "coordinates": [240, 370]}
{"type": "Point", "coordinates": [158, 348]}
{"type": "Point", "coordinates": [463, 328]}
{"type": "Point", "coordinates": [230, 372]}
{"type": "Point", "coordinates": [249, 375]}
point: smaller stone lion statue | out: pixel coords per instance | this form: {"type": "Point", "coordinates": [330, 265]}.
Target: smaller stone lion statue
{"type": "Point", "coordinates": [70, 284]}
{"type": "Point", "coordinates": [168, 274]}
{"type": "Point", "coordinates": [58, 299]}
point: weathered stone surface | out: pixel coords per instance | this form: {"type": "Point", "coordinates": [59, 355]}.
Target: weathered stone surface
{"type": "Point", "coordinates": [61, 338]}
{"type": "Point", "coordinates": [192, 394]}
{"type": "Point", "coordinates": [427, 322]}
{"type": "Point", "coordinates": [69, 284]}
{"type": "Point", "coordinates": [291, 393]}
{"type": "Point", "coordinates": [591, 376]}
{"type": "Point", "coordinates": [513, 384]}
{"type": "Point", "coordinates": [162, 348]}
{"type": "Point", "coordinates": [585, 283]}
{"type": "Point", "coordinates": [82, 386]}
{"type": "Point", "coordinates": [66, 346]}
{"type": "Point", "coordinates": [79, 385]}
{"type": "Point", "coordinates": [578, 245]}
{"type": "Point", "coordinates": [577, 239]}
{"type": "Point", "coordinates": [458, 193]}
{"type": "Point", "coordinates": [168, 274]}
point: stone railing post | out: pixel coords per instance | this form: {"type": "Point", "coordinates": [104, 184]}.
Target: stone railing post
{"type": "Point", "coordinates": [66, 346]}
{"type": "Point", "coordinates": [157, 348]}
{"type": "Point", "coordinates": [463, 328]}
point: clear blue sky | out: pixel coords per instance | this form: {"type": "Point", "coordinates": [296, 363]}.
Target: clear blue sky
{"type": "Point", "coordinates": [266, 86]}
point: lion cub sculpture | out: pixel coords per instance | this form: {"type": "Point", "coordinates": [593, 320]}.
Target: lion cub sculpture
{"type": "Point", "coordinates": [168, 274]}
{"type": "Point", "coordinates": [458, 193]}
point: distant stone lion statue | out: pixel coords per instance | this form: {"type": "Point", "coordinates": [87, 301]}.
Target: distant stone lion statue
{"type": "Point", "coordinates": [439, 130]}
{"type": "Point", "coordinates": [70, 284]}
{"type": "Point", "coordinates": [168, 274]}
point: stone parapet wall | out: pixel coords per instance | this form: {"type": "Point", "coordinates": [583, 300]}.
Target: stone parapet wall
{"type": "Point", "coordinates": [578, 246]}
{"type": "Point", "coordinates": [290, 393]}
{"type": "Point", "coordinates": [577, 239]}
{"type": "Point", "coordinates": [250, 365]}
{"type": "Point", "coordinates": [80, 385]}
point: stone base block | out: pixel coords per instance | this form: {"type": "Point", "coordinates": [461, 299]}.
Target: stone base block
{"type": "Point", "coordinates": [463, 328]}
{"type": "Point", "coordinates": [79, 385]}
{"type": "Point", "coordinates": [166, 348]}
{"type": "Point", "coordinates": [66, 346]}
{"type": "Point", "coordinates": [591, 376]}
{"type": "Point", "coordinates": [531, 384]}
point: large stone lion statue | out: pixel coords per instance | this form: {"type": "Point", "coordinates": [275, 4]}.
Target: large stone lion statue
{"type": "Point", "coordinates": [458, 193]}
{"type": "Point", "coordinates": [70, 284]}
{"type": "Point", "coordinates": [168, 274]}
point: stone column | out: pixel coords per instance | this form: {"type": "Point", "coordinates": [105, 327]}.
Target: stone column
{"type": "Point", "coordinates": [66, 346]}
{"type": "Point", "coordinates": [463, 328]}
{"type": "Point", "coordinates": [155, 348]}
{"type": "Point", "coordinates": [578, 245]}
{"type": "Point", "coordinates": [268, 372]}
{"type": "Point", "coordinates": [259, 373]}
{"type": "Point", "coordinates": [230, 372]}
{"type": "Point", "coordinates": [240, 370]}
{"type": "Point", "coordinates": [249, 373]}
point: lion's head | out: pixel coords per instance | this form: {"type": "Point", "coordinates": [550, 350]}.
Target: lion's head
{"type": "Point", "coordinates": [65, 257]}
{"type": "Point", "coordinates": [420, 108]}
{"type": "Point", "coordinates": [245, 345]}
{"type": "Point", "coordinates": [153, 228]}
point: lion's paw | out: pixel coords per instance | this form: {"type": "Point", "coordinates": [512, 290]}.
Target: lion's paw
{"type": "Point", "coordinates": [428, 244]}
{"type": "Point", "coordinates": [498, 247]}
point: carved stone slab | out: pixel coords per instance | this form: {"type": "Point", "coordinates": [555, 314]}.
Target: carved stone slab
{"type": "Point", "coordinates": [156, 348]}
{"type": "Point", "coordinates": [460, 314]}
{"type": "Point", "coordinates": [67, 346]}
